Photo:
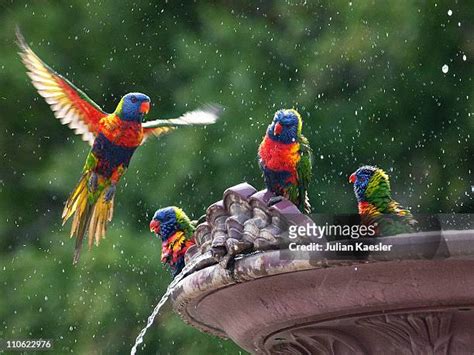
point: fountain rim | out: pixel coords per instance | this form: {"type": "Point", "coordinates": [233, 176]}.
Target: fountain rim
{"type": "Point", "coordinates": [456, 244]}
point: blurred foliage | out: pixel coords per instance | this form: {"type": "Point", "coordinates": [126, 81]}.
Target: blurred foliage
{"type": "Point", "coordinates": [366, 76]}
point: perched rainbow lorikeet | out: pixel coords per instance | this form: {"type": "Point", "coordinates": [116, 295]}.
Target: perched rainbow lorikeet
{"type": "Point", "coordinates": [285, 159]}
{"type": "Point", "coordinates": [375, 203]}
{"type": "Point", "coordinates": [113, 137]}
{"type": "Point", "coordinates": [176, 231]}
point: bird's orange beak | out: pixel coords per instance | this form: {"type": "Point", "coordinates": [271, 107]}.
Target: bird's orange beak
{"type": "Point", "coordinates": [154, 226]}
{"type": "Point", "coordinates": [277, 129]}
{"type": "Point", "coordinates": [352, 178]}
{"type": "Point", "coordinates": [145, 107]}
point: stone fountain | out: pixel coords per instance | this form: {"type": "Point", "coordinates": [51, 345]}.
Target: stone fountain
{"type": "Point", "coordinates": [249, 287]}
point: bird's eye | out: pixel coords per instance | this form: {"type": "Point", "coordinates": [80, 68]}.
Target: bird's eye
{"type": "Point", "coordinates": [133, 99]}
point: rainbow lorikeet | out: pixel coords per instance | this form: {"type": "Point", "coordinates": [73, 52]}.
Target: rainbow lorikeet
{"type": "Point", "coordinates": [176, 231]}
{"type": "Point", "coordinates": [375, 203]}
{"type": "Point", "coordinates": [285, 159]}
{"type": "Point", "coordinates": [113, 137]}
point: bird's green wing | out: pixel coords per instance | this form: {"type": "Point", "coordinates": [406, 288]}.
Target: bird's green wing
{"type": "Point", "coordinates": [304, 170]}
{"type": "Point", "coordinates": [184, 223]}
{"type": "Point", "coordinates": [397, 220]}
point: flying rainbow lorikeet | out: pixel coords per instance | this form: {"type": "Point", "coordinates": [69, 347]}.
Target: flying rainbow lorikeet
{"type": "Point", "coordinates": [375, 203]}
{"type": "Point", "coordinates": [176, 231]}
{"type": "Point", "coordinates": [113, 137]}
{"type": "Point", "coordinates": [285, 159]}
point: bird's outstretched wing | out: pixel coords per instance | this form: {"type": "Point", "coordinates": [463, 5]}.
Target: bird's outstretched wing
{"type": "Point", "coordinates": [202, 116]}
{"type": "Point", "coordinates": [69, 104]}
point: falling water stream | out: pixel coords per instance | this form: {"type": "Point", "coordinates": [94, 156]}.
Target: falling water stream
{"type": "Point", "coordinates": [186, 270]}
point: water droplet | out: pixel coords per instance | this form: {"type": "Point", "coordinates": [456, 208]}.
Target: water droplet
{"type": "Point", "coordinates": [450, 12]}
{"type": "Point", "coordinates": [445, 68]}
{"type": "Point", "coordinates": [464, 57]}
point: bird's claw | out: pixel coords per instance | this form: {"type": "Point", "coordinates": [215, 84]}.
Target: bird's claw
{"type": "Point", "coordinates": [274, 200]}
{"type": "Point", "coordinates": [110, 193]}
{"type": "Point", "coordinates": [93, 182]}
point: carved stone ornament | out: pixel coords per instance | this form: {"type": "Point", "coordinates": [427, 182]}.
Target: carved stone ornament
{"type": "Point", "coordinates": [315, 340]}
{"type": "Point", "coordinates": [424, 333]}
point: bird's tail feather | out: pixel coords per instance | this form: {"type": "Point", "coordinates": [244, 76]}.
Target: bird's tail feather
{"type": "Point", "coordinates": [82, 223]}
{"type": "Point", "coordinates": [90, 217]}
{"type": "Point", "coordinates": [78, 205]}
{"type": "Point", "coordinates": [101, 215]}
{"type": "Point", "coordinates": [77, 201]}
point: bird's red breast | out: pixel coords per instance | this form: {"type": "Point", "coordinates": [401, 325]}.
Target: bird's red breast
{"type": "Point", "coordinates": [279, 156]}
{"type": "Point", "coordinates": [364, 207]}
{"type": "Point", "coordinates": [123, 133]}
{"type": "Point", "coordinates": [368, 212]}
{"type": "Point", "coordinates": [175, 247]}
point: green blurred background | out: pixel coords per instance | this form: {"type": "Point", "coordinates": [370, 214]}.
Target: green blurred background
{"type": "Point", "coordinates": [366, 76]}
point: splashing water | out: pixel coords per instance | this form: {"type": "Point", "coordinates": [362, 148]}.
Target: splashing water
{"type": "Point", "coordinates": [186, 271]}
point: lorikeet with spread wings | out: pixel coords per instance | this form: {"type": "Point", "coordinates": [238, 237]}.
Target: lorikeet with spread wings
{"type": "Point", "coordinates": [113, 137]}
{"type": "Point", "coordinates": [176, 231]}
{"type": "Point", "coordinates": [285, 159]}
{"type": "Point", "coordinates": [375, 203]}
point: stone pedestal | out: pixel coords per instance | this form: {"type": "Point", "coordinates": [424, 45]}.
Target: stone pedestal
{"type": "Point", "coordinates": [417, 299]}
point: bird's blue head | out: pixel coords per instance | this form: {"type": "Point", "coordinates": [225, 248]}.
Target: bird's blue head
{"type": "Point", "coordinates": [286, 126]}
{"type": "Point", "coordinates": [133, 107]}
{"type": "Point", "coordinates": [165, 222]}
{"type": "Point", "coordinates": [370, 181]}
{"type": "Point", "coordinates": [360, 178]}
